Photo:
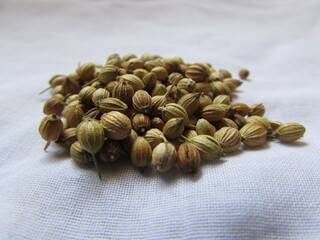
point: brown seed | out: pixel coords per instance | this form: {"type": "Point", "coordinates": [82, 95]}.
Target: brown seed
{"type": "Point", "coordinates": [136, 82]}
{"type": "Point", "coordinates": [225, 73]}
{"type": "Point", "coordinates": [79, 155]}
{"type": "Point", "coordinates": [114, 62]}
{"type": "Point", "coordinates": [156, 103]}
{"type": "Point", "coordinates": [110, 151]}
{"type": "Point", "coordinates": [253, 135]}
{"type": "Point", "coordinates": [133, 64]}
{"type": "Point", "coordinates": [175, 76]}
{"type": "Point", "coordinates": [154, 136]}
{"type": "Point", "coordinates": [232, 83]}
{"type": "Point", "coordinates": [112, 104]}
{"type": "Point", "coordinates": [70, 87]}
{"type": "Point", "coordinates": [290, 132]}
{"type": "Point", "coordinates": [171, 64]}
{"type": "Point", "coordinates": [141, 123]}
{"type": "Point", "coordinates": [204, 127]}
{"type": "Point", "coordinates": [226, 122]}
{"type": "Point", "coordinates": [124, 91]}
{"type": "Point", "coordinates": [141, 101]}
{"type": "Point", "coordinates": [229, 139]}
{"type": "Point", "coordinates": [190, 102]}
{"type": "Point", "coordinates": [150, 64]}
{"type": "Point", "coordinates": [240, 108]}
{"type": "Point", "coordinates": [158, 90]}
{"type": "Point", "coordinates": [86, 94]}
{"type": "Point", "coordinates": [141, 153]}
{"type": "Point", "coordinates": [220, 88]}
{"type": "Point", "coordinates": [188, 158]}
{"type": "Point", "coordinates": [239, 120]}
{"type": "Point", "coordinates": [208, 147]}
{"type": "Point", "coordinates": [74, 115]}
{"type": "Point", "coordinates": [204, 101]}
{"type": "Point", "coordinates": [161, 73]}
{"type": "Point", "coordinates": [174, 110]}
{"type": "Point", "coordinates": [213, 112]}
{"type": "Point", "coordinates": [164, 156]}
{"type": "Point", "coordinates": [53, 106]}
{"type": "Point", "coordinates": [187, 84]}
{"type": "Point", "coordinates": [244, 73]}
{"type": "Point", "coordinates": [257, 110]}
{"type": "Point", "coordinates": [110, 86]}
{"type": "Point", "coordinates": [216, 76]}
{"type": "Point", "coordinates": [173, 128]}
{"type": "Point", "coordinates": [68, 137]}
{"type": "Point", "coordinates": [140, 73]}
{"type": "Point", "coordinates": [157, 122]}
{"type": "Point", "coordinates": [128, 56]}
{"type": "Point", "coordinates": [222, 99]}
{"type": "Point", "coordinates": [90, 135]}
{"type": "Point", "coordinates": [86, 72]}
{"type": "Point", "coordinates": [99, 94]}
{"type": "Point", "coordinates": [149, 80]}
{"type": "Point", "coordinates": [189, 133]}
{"type": "Point", "coordinates": [50, 129]}
{"type": "Point", "coordinates": [274, 124]}
{"type": "Point", "coordinates": [203, 87]}
{"type": "Point", "coordinates": [198, 72]}
{"type": "Point", "coordinates": [260, 121]}
{"type": "Point", "coordinates": [117, 126]}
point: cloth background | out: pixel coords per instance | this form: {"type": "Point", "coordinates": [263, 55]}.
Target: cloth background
{"type": "Point", "coordinates": [267, 193]}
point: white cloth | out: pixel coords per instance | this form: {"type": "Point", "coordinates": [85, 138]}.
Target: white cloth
{"type": "Point", "coordinates": [267, 193]}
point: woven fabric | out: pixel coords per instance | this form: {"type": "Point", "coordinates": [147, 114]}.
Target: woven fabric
{"type": "Point", "coordinates": [272, 192]}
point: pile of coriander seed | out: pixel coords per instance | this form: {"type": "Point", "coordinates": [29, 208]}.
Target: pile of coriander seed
{"type": "Point", "coordinates": [159, 111]}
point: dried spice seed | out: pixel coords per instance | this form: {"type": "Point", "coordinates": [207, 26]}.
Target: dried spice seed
{"type": "Point", "coordinates": [188, 158]}
{"type": "Point", "coordinates": [290, 132]}
{"type": "Point", "coordinates": [135, 104]}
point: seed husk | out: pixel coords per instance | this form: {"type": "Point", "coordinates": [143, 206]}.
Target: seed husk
{"type": "Point", "coordinates": [110, 151]}
{"type": "Point", "coordinates": [290, 132]}
{"type": "Point", "coordinates": [53, 106]}
{"type": "Point", "coordinates": [90, 135]}
{"type": "Point", "coordinates": [141, 123]}
{"type": "Point", "coordinates": [79, 155]}
{"type": "Point", "coordinates": [260, 121]}
{"type": "Point", "coordinates": [174, 128]}
{"type": "Point", "coordinates": [141, 153]}
{"type": "Point", "coordinates": [188, 158]}
{"type": "Point", "coordinates": [50, 129]}
{"type": "Point", "coordinates": [99, 94]}
{"type": "Point", "coordinates": [253, 135]}
{"type": "Point", "coordinates": [154, 137]}
{"type": "Point", "coordinates": [198, 72]}
{"type": "Point", "coordinates": [229, 139]}
{"type": "Point", "coordinates": [117, 126]}
{"type": "Point", "coordinates": [141, 101]}
{"type": "Point", "coordinates": [240, 108]}
{"type": "Point", "coordinates": [213, 112]}
{"type": "Point", "coordinates": [124, 91]}
{"type": "Point", "coordinates": [257, 110]}
{"type": "Point", "coordinates": [244, 73]}
{"type": "Point", "coordinates": [190, 102]}
{"type": "Point", "coordinates": [208, 147]}
{"type": "Point", "coordinates": [112, 104]}
{"type": "Point", "coordinates": [68, 137]}
{"type": "Point", "coordinates": [204, 127]}
{"type": "Point", "coordinates": [164, 156]}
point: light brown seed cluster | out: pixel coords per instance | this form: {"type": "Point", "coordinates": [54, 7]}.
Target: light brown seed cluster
{"type": "Point", "coordinates": [158, 111]}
